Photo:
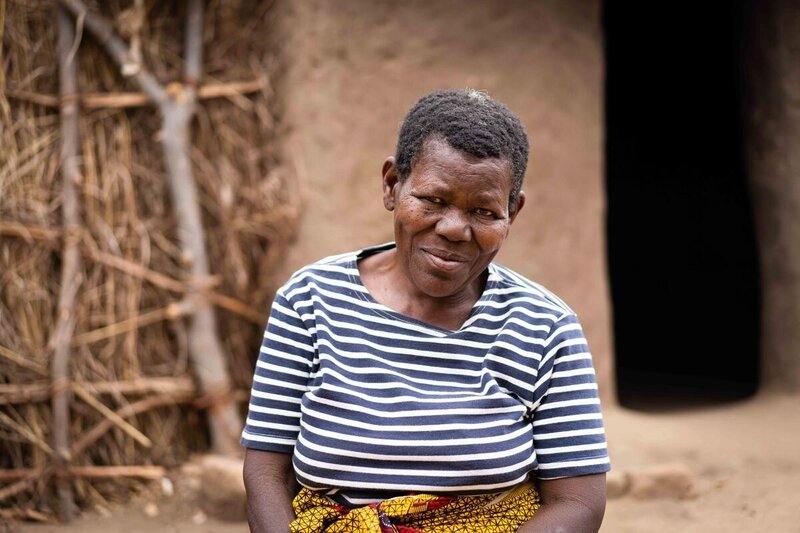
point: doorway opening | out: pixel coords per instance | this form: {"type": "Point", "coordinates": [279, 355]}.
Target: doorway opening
{"type": "Point", "coordinates": [682, 255]}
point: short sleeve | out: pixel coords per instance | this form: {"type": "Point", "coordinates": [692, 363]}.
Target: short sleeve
{"type": "Point", "coordinates": [281, 378]}
{"type": "Point", "coordinates": [569, 437]}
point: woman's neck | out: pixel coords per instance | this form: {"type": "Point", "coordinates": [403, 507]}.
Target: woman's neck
{"type": "Point", "coordinates": [389, 284]}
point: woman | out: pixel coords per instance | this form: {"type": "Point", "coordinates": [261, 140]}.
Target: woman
{"type": "Point", "coordinates": [416, 385]}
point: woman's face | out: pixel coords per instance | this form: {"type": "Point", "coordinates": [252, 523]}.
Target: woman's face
{"type": "Point", "coordinates": [451, 215]}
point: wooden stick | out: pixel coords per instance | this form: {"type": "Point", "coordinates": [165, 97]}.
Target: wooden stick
{"type": "Point", "coordinates": [144, 471]}
{"type": "Point", "coordinates": [130, 268]}
{"type": "Point", "coordinates": [160, 280]}
{"type": "Point", "coordinates": [46, 100]}
{"type": "Point", "coordinates": [238, 307]}
{"type": "Point", "coordinates": [205, 348]}
{"type": "Point", "coordinates": [23, 362]}
{"type": "Point", "coordinates": [174, 386]}
{"type": "Point", "coordinates": [193, 44]}
{"type": "Point", "coordinates": [177, 106]}
{"type": "Point", "coordinates": [15, 488]}
{"type": "Point", "coordinates": [211, 402]}
{"type": "Point", "coordinates": [231, 88]}
{"type": "Point", "coordinates": [71, 260]}
{"type": "Point", "coordinates": [147, 471]}
{"type": "Point", "coordinates": [20, 473]}
{"type": "Point", "coordinates": [103, 31]}
{"type": "Point", "coordinates": [138, 99]}
{"type": "Point", "coordinates": [138, 271]}
{"type": "Point", "coordinates": [32, 437]}
{"type": "Point", "coordinates": [29, 392]}
{"type": "Point", "coordinates": [91, 436]}
{"type": "Point", "coordinates": [170, 312]}
{"type": "Point", "coordinates": [29, 233]}
{"type": "Point", "coordinates": [111, 416]}
{"type": "Point", "coordinates": [177, 387]}
{"type": "Point", "coordinates": [170, 390]}
{"type": "Point", "coordinates": [24, 514]}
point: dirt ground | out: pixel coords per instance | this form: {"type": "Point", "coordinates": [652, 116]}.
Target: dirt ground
{"type": "Point", "coordinates": [743, 458]}
{"type": "Point", "coordinates": [746, 469]}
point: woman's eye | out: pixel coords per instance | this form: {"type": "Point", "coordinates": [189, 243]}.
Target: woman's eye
{"type": "Point", "coordinates": [485, 213]}
{"type": "Point", "coordinates": [433, 200]}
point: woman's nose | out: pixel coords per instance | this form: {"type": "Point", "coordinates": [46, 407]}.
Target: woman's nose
{"type": "Point", "coordinates": [454, 225]}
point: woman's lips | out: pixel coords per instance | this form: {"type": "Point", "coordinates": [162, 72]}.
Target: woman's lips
{"type": "Point", "coordinates": [444, 260]}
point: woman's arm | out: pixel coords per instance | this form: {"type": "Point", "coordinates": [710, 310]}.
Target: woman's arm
{"type": "Point", "coordinates": [271, 485]}
{"type": "Point", "coordinates": [569, 505]}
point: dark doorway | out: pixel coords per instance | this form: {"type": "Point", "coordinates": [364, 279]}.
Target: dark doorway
{"type": "Point", "coordinates": [682, 255]}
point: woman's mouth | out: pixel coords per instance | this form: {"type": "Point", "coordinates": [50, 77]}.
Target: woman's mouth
{"type": "Point", "coordinates": [444, 260]}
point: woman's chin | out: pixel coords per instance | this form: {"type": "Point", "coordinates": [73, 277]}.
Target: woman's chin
{"type": "Point", "coordinates": [438, 284]}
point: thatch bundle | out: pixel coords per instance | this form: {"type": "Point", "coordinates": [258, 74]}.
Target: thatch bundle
{"type": "Point", "coordinates": [133, 401]}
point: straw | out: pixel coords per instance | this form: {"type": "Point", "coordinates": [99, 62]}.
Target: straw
{"type": "Point", "coordinates": [129, 352]}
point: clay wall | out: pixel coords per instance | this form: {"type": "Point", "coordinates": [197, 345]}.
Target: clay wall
{"type": "Point", "coordinates": [355, 67]}
{"type": "Point", "coordinates": [772, 86]}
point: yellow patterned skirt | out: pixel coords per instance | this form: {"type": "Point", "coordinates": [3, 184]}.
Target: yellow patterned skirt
{"type": "Point", "coordinates": [420, 513]}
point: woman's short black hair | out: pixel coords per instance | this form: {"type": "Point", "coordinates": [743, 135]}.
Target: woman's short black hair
{"type": "Point", "coordinates": [470, 121]}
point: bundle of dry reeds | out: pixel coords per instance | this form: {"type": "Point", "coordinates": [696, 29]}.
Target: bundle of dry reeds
{"type": "Point", "coordinates": [134, 405]}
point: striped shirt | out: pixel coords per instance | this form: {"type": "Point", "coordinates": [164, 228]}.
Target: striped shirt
{"type": "Point", "coordinates": [373, 403]}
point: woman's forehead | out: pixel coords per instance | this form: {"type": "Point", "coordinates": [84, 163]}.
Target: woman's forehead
{"type": "Point", "coordinates": [438, 153]}
{"type": "Point", "coordinates": [443, 167]}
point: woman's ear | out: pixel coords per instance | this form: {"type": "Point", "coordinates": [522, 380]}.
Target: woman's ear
{"type": "Point", "coordinates": [517, 207]}
{"type": "Point", "coordinates": [391, 180]}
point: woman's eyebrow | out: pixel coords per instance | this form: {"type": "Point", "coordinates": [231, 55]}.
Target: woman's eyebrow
{"type": "Point", "coordinates": [488, 196]}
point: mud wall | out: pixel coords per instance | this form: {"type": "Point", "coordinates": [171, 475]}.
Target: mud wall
{"type": "Point", "coordinates": [773, 112]}
{"type": "Point", "coordinates": [356, 66]}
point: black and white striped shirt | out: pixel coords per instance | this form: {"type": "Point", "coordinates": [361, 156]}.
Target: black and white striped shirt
{"type": "Point", "coordinates": [372, 402]}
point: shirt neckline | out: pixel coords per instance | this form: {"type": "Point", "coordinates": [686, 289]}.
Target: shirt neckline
{"type": "Point", "coordinates": [386, 311]}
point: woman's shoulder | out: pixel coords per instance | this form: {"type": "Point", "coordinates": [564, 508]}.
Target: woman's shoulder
{"type": "Point", "coordinates": [339, 266]}
{"type": "Point", "coordinates": [334, 271]}
{"type": "Point", "coordinates": [343, 262]}
{"type": "Point", "coordinates": [515, 286]}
